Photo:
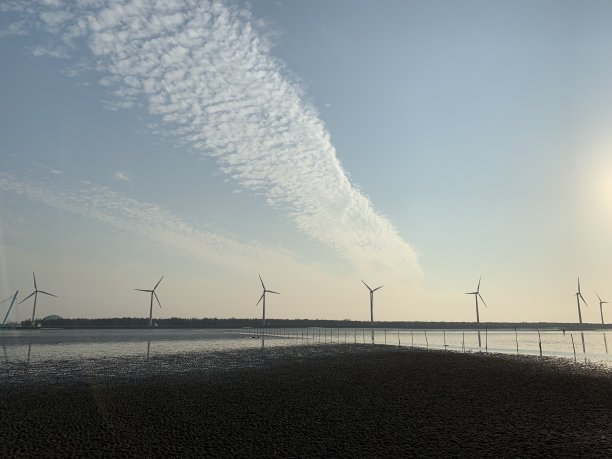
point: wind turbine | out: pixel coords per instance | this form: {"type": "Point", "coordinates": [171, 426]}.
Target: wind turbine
{"type": "Point", "coordinates": [10, 307]}
{"type": "Point", "coordinates": [578, 298]}
{"type": "Point", "coordinates": [476, 296]}
{"type": "Point", "coordinates": [371, 308]}
{"type": "Point", "coordinates": [263, 297]}
{"type": "Point", "coordinates": [601, 303]}
{"type": "Point", "coordinates": [35, 294]}
{"type": "Point", "coordinates": [153, 294]}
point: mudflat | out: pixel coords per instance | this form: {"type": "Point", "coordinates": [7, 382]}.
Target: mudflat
{"type": "Point", "coordinates": [321, 400]}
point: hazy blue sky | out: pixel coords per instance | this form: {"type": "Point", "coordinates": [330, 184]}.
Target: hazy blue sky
{"type": "Point", "coordinates": [415, 144]}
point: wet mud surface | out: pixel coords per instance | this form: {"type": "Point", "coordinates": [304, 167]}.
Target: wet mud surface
{"type": "Point", "coordinates": [342, 400]}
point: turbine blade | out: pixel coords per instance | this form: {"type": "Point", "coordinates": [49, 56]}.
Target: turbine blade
{"type": "Point", "coordinates": [583, 300]}
{"type": "Point", "coordinates": [598, 297]}
{"type": "Point", "coordinates": [33, 293]}
{"type": "Point", "coordinates": [377, 288]}
{"type": "Point", "coordinates": [366, 285]}
{"type": "Point", "coordinates": [34, 276]}
{"type": "Point", "coordinates": [478, 288]}
{"type": "Point", "coordinates": [578, 284]}
{"type": "Point", "coordinates": [141, 290]}
{"type": "Point", "coordinates": [272, 291]}
{"type": "Point", "coordinates": [6, 299]}
{"type": "Point", "coordinates": [158, 282]}
{"type": "Point", "coordinates": [47, 293]}
{"type": "Point", "coordinates": [260, 298]}
{"type": "Point", "coordinates": [155, 295]}
{"type": "Point", "coordinates": [483, 301]}
{"type": "Point", "coordinates": [261, 280]}
{"type": "Point", "coordinates": [471, 293]}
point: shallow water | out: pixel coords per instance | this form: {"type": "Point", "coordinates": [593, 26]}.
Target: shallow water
{"type": "Point", "coordinates": [62, 344]}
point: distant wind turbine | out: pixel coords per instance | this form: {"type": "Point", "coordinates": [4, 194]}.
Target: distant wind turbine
{"type": "Point", "coordinates": [578, 298]}
{"type": "Point", "coordinates": [10, 307]}
{"type": "Point", "coordinates": [601, 303]}
{"type": "Point", "coordinates": [371, 307]}
{"type": "Point", "coordinates": [153, 294]}
{"type": "Point", "coordinates": [476, 296]}
{"type": "Point", "coordinates": [35, 294]}
{"type": "Point", "coordinates": [263, 297]}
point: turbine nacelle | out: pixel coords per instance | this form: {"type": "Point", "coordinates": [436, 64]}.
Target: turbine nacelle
{"type": "Point", "coordinates": [371, 290]}
{"type": "Point", "coordinates": [477, 294]}
{"type": "Point", "coordinates": [579, 295]}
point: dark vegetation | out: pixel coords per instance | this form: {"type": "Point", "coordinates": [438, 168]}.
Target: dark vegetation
{"type": "Point", "coordinates": [176, 322]}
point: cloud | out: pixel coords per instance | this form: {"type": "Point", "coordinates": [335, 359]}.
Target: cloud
{"type": "Point", "coordinates": [206, 69]}
{"type": "Point", "coordinates": [122, 176]}
{"type": "Point", "coordinates": [46, 167]}
{"type": "Point", "coordinates": [145, 219]}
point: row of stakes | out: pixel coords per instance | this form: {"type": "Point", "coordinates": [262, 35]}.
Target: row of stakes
{"type": "Point", "coordinates": [316, 335]}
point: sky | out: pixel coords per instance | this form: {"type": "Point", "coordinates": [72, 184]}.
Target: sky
{"type": "Point", "coordinates": [419, 145]}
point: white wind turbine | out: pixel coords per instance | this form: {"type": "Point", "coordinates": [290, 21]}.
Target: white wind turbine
{"type": "Point", "coordinates": [263, 297]}
{"type": "Point", "coordinates": [153, 294]}
{"type": "Point", "coordinates": [14, 297]}
{"type": "Point", "coordinates": [476, 296]}
{"type": "Point", "coordinates": [35, 294]}
{"type": "Point", "coordinates": [578, 298]}
{"type": "Point", "coordinates": [601, 303]}
{"type": "Point", "coordinates": [371, 307]}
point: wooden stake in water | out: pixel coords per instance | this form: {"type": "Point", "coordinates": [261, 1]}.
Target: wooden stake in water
{"type": "Point", "coordinates": [540, 342]}
{"type": "Point", "coordinates": [426, 341]}
{"type": "Point", "coordinates": [444, 339]}
{"type": "Point", "coordinates": [516, 338]}
{"type": "Point", "coordinates": [463, 342]}
{"type": "Point", "coordinates": [574, 346]}
{"type": "Point", "coordinates": [486, 339]}
{"type": "Point", "coordinates": [412, 338]}
{"type": "Point", "coordinates": [385, 336]}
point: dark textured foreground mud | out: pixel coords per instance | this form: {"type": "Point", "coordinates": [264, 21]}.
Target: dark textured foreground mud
{"type": "Point", "coordinates": [313, 401]}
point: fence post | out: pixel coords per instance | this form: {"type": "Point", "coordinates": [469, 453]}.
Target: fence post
{"type": "Point", "coordinates": [444, 332]}
{"type": "Point", "coordinates": [426, 341]}
{"type": "Point", "coordinates": [516, 339]}
{"type": "Point", "coordinates": [540, 342]}
{"type": "Point", "coordinates": [574, 346]}
{"type": "Point", "coordinates": [463, 342]}
{"type": "Point", "coordinates": [486, 339]}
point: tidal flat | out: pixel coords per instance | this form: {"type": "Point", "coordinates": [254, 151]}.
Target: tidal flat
{"type": "Point", "coordinates": [341, 400]}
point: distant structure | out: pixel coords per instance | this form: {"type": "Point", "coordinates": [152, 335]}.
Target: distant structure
{"type": "Point", "coordinates": [476, 296]}
{"type": "Point", "coordinates": [263, 297]}
{"type": "Point", "coordinates": [35, 294]}
{"type": "Point", "coordinates": [371, 308]}
{"type": "Point", "coordinates": [51, 317]}
{"type": "Point", "coordinates": [153, 294]}
{"type": "Point", "coordinates": [578, 298]}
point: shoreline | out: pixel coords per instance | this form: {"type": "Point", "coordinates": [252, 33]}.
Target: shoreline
{"type": "Point", "coordinates": [334, 400]}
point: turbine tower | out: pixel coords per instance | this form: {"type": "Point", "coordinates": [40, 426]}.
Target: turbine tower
{"type": "Point", "coordinates": [10, 307]}
{"type": "Point", "coordinates": [578, 298]}
{"type": "Point", "coordinates": [601, 303]}
{"type": "Point", "coordinates": [371, 308]}
{"type": "Point", "coordinates": [263, 297]}
{"type": "Point", "coordinates": [153, 294]}
{"type": "Point", "coordinates": [476, 296]}
{"type": "Point", "coordinates": [35, 294]}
